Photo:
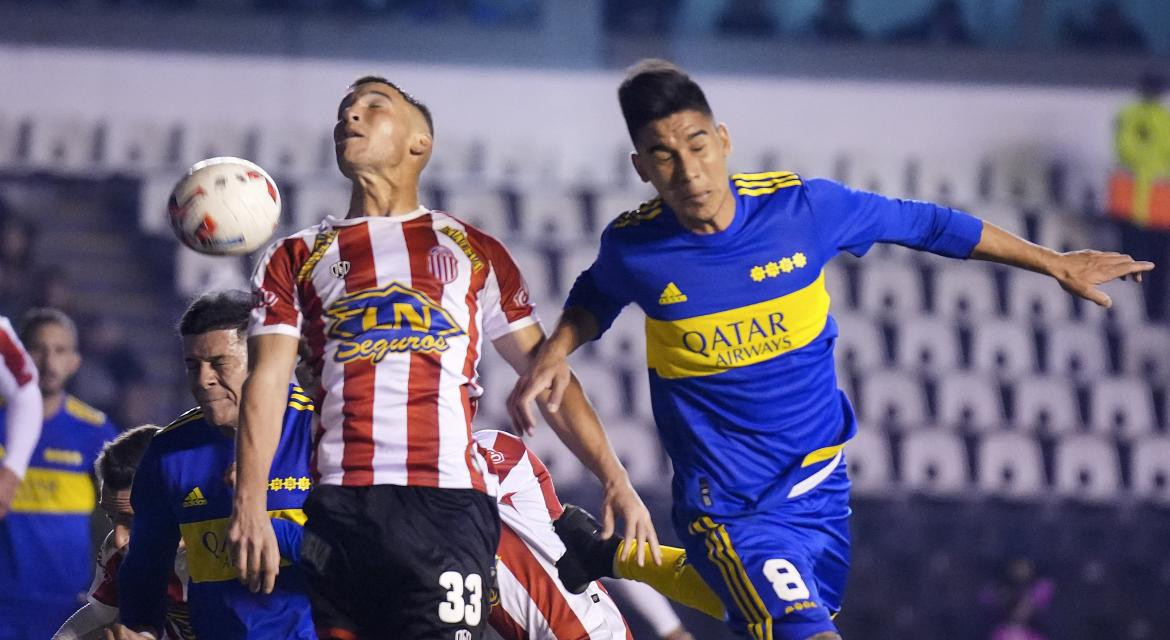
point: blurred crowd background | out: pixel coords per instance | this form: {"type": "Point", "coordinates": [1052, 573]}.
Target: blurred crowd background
{"type": "Point", "coordinates": [1012, 475]}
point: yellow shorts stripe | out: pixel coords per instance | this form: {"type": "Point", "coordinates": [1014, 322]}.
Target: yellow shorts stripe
{"type": "Point", "coordinates": [720, 552]}
{"type": "Point", "coordinates": [762, 618]}
{"type": "Point", "coordinates": [727, 571]}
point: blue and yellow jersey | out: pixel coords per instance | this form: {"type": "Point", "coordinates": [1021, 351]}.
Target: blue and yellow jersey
{"type": "Point", "coordinates": [45, 551]}
{"type": "Point", "coordinates": [739, 338]}
{"type": "Point", "coordinates": [180, 490]}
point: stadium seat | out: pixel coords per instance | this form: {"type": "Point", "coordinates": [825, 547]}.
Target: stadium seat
{"type": "Point", "coordinates": [892, 398]}
{"type": "Point", "coordinates": [1047, 405]}
{"type": "Point", "coordinates": [567, 471]}
{"type": "Point", "coordinates": [1078, 351]}
{"type": "Point", "coordinates": [551, 216]}
{"type": "Point", "coordinates": [1122, 407]}
{"type": "Point", "coordinates": [63, 144]}
{"type": "Point", "coordinates": [1087, 469]}
{"type": "Point", "coordinates": [1064, 232]}
{"type": "Point", "coordinates": [948, 180]}
{"type": "Point", "coordinates": [927, 344]}
{"type": "Point", "coordinates": [1017, 176]}
{"type": "Point", "coordinates": [613, 202]}
{"type": "Point", "coordinates": [481, 207]}
{"type": "Point", "coordinates": [1033, 297]}
{"type": "Point", "coordinates": [1128, 310]}
{"type": "Point", "coordinates": [934, 463]}
{"type": "Point", "coordinates": [154, 190]}
{"type": "Point", "coordinates": [870, 466]}
{"type": "Point", "coordinates": [602, 385]}
{"type": "Point", "coordinates": [624, 342]}
{"type": "Point", "coordinates": [9, 140]}
{"type": "Point", "coordinates": [1010, 466]}
{"type": "Point", "coordinates": [1005, 216]}
{"type": "Point", "coordinates": [860, 346]}
{"type": "Point", "coordinates": [837, 284]}
{"type": "Point", "coordinates": [636, 444]}
{"type": "Point", "coordinates": [138, 146]}
{"type": "Point", "coordinates": [574, 261]}
{"type": "Point", "coordinates": [1145, 351]}
{"type": "Point", "coordinates": [197, 273]}
{"type": "Point", "coordinates": [890, 289]}
{"type": "Point", "coordinates": [315, 199]}
{"type": "Point", "coordinates": [965, 290]}
{"type": "Point", "coordinates": [294, 153]}
{"type": "Point", "coordinates": [1150, 470]}
{"type": "Point", "coordinates": [202, 140]}
{"type": "Point", "coordinates": [1005, 348]}
{"type": "Point", "coordinates": [971, 401]}
{"type": "Point", "coordinates": [536, 265]}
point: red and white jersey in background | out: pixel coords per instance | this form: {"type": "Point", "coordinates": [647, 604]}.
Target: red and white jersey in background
{"type": "Point", "coordinates": [394, 310]}
{"type": "Point", "coordinates": [104, 590]}
{"type": "Point", "coordinates": [532, 601]}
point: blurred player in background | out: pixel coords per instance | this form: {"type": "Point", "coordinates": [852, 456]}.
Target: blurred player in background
{"type": "Point", "coordinates": [394, 301]}
{"type": "Point", "coordinates": [115, 468]}
{"type": "Point", "coordinates": [729, 272]}
{"type": "Point", "coordinates": [181, 491]}
{"type": "Point", "coordinates": [45, 550]}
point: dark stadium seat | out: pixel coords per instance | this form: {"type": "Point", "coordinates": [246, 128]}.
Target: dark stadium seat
{"type": "Point", "coordinates": [1150, 470]}
{"type": "Point", "coordinates": [1032, 297]}
{"type": "Point", "coordinates": [1145, 352]}
{"type": "Point", "coordinates": [890, 289]}
{"type": "Point", "coordinates": [1078, 351]}
{"type": "Point", "coordinates": [870, 463]}
{"type": "Point", "coordinates": [965, 290]}
{"type": "Point", "coordinates": [860, 346]}
{"type": "Point", "coordinates": [1046, 404]}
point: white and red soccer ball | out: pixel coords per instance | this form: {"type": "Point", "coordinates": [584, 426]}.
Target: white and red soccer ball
{"type": "Point", "coordinates": [224, 207]}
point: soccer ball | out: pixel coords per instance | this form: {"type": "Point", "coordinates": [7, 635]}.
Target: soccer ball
{"type": "Point", "coordinates": [224, 207]}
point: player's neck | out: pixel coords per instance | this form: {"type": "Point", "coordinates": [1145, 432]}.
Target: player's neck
{"type": "Point", "coordinates": [382, 195]}
{"type": "Point", "coordinates": [53, 402]}
{"type": "Point", "coordinates": [722, 219]}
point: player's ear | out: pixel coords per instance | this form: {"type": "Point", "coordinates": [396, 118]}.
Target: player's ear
{"type": "Point", "coordinates": [636, 160]}
{"type": "Point", "coordinates": [724, 138]}
{"type": "Point", "coordinates": [421, 144]}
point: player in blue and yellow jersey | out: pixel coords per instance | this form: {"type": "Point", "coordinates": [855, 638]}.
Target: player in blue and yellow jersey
{"type": "Point", "coordinates": [730, 274]}
{"type": "Point", "coordinates": [45, 550]}
{"type": "Point", "coordinates": [182, 490]}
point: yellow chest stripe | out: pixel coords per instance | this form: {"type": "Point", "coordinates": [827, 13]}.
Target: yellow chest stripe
{"type": "Point", "coordinates": [54, 491]}
{"type": "Point", "coordinates": [208, 559]}
{"type": "Point", "coordinates": [717, 342]}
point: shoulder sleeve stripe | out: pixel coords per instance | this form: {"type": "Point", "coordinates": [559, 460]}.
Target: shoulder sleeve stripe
{"type": "Point", "coordinates": [16, 360]}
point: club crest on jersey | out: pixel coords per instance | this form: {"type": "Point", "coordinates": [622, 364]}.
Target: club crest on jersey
{"type": "Point", "coordinates": [442, 264]}
{"type": "Point", "coordinates": [392, 319]}
{"type": "Point", "coordinates": [339, 269]}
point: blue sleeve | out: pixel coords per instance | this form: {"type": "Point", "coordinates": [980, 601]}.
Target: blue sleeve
{"type": "Point", "coordinates": [154, 536]}
{"type": "Point", "coordinates": [849, 220]}
{"type": "Point", "coordinates": [595, 289]}
{"type": "Point", "coordinates": [288, 538]}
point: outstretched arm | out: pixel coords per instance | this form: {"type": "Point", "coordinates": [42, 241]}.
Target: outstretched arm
{"type": "Point", "coordinates": [573, 419]}
{"type": "Point", "coordinates": [271, 358]}
{"type": "Point", "coordinates": [1078, 272]}
{"type": "Point", "coordinates": [18, 387]}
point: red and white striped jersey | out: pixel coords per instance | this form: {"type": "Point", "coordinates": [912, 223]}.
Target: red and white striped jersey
{"type": "Point", "coordinates": [394, 311]}
{"type": "Point", "coordinates": [104, 590]}
{"type": "Point", "coordinates": [17, 369]}
{"type": "Point", "coordinates": [532, 601]}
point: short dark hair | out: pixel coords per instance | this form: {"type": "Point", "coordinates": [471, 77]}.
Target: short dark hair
{"type": "Point", "coordinates": [116, 464]}
{"type": "Point", "coordinates": [654, 89]}
{"type": "Point", "coordinates": [35, 318]}
{"type": "Point", "coordinates": [410, 99]}
{"type": "Point", "coordinates": [215, 311]}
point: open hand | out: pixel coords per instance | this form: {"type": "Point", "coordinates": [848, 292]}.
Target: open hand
{"type": "Point", "coordinates": [1079, 272]}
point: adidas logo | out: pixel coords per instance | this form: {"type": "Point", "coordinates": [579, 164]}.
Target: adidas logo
{"type": "Point", "coordinates": [195, 498]}
{"type": "Point", "coordinates": [671, 295]}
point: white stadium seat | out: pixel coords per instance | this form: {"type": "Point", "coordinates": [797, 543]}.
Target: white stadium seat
{"type": "Point", "coordinates": [971, 401]}
{"type": "Point", "coordinates": [637, 446]}
{"type": "Point", "coordinates": [534, 264]}
{"type": "Point", "coordinates": [316, 199]}
{"type": "Point", "coordinates": [1145, 351]}
{"type": "Point", "coordinates": [1046, 404]}
{"type": "Point", "coordinates": [892, 289]}
{"type": "Point", "coordinates": [927, 344]}
{"type": "Point", "coordinates": [867, 457]}
{"type": "Point", "coordinates": [481, 207]}
{"type": "Point", "coordinates": [291, 153]}
{"type": "Point", "coordinates": [1129, 305]}
{"type": "Point", "coordinates": [625, 341]}
{"type": "Point", "coordinates": [1087, 469]}
{"type": "Point", "coordinates": [202, 140]}
{"type": "Point", "coordinates": [965, 290]}
{"type": "Point", "coordinates": [551, 216]}
{"type": "Point", "coordinates": [1003, 347]}
{"type": "Point", "coordinates": [62, 144]}
{"type": "Point", "coordinates": [602, 385]}
{"type": "Point", "coordinates": [1036, 298]}
{"type": "Point", "coordinates": [837, 284]}
{"type": "Point", "coordinates": [860, 345]}
{"type": "Point", "coordinates": [1078, 351]}
{"type": "Point", "coordinates": [934, 463]}
{"type": "Point", "coordinates": [1122, 407]}
{"type": "Point", "coordinates": [1010, 466]}
{"type": "Point", "coordinates": [891, 397]}
{"type": "Point", "coordinates": [1150, 470]}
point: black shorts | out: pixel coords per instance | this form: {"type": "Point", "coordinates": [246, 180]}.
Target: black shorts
{"type": "Point", "coordinates": [399, 562]}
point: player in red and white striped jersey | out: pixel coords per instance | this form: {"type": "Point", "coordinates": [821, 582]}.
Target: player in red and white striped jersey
{"type": "Point", "coordinates": [394, 301]}
{"type": "Point", "coordinates": [18, 388]}
{"type": "Point", "coordinates": [532, 602]}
